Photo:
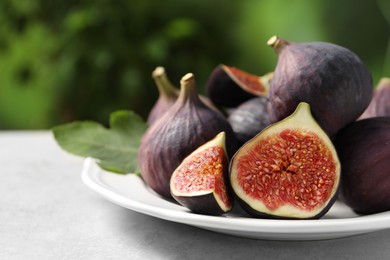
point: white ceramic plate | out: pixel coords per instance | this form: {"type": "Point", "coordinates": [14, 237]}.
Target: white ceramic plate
{"type": "Point", "coordinates": [130, 192]}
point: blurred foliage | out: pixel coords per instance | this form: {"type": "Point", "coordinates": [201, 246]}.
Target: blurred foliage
{"type": "Point", "coordinates": [67, 60]}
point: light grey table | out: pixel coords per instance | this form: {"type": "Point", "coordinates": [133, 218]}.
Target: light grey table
{"type": "Point", "coordinates": [46, 212]}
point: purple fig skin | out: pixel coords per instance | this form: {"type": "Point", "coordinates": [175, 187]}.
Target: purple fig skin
{"type": "Point", "coordinates": [249, 118]}
{"type": "Point", "coordinates": [205, 204]}
{"type": "Point", "coordinates": [364, 151]}
{"type": "Point", "coordinates": [331, 78]}
{"type": "Point", "coordinates": [380, 102]}
{"type": "Point", "coordinates": [188, 124]}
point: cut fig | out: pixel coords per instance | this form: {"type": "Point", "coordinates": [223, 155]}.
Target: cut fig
{"type": "Point", "coordinates": [332, 79]}
{"type": "Point", "coordinates": [228, 86]}
{"type": "Point", "coordinates": [364, 150]}
{"type": "Point", "coordinates": [380, 102]}
{"type": "Point", "coordinates": [199, 182]}
{"type": "Point", "coordinates": [289, 170]}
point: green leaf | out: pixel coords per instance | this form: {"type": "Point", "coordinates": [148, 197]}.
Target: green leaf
{"type": "Point", "coordinates": [115, 149]}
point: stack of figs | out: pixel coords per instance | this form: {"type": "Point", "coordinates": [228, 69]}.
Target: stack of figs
{"type": "Point", "coordinates": [282, 145]}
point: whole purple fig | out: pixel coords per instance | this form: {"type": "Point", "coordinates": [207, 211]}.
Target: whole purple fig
{"type": "Point", "coordinates": [188, 124]}
{"type": "Point", "coordinates": [364, 151]}
{"type": "Point", "coordinates": [332, 79]}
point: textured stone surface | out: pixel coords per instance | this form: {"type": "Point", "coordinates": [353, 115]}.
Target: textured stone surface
{"type": "Point", "coordinates": [46, 212]}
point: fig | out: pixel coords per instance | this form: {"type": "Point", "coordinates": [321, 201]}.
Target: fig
{"type": "Point", "coordinates": [249, 118]}
{"type": "Point", "coordinates": [228, 86]}
{"type": "Point", "coordinates": [168, 94]}
{"type": "Point", "coordinates": [188, 124]}
{"type": "Point", "coordinates": [199, 183]}
{"type": "Point", "coordinates": [380, 102]}
{"type": "Point", "coordinates": [364, 151]}
{"type": "Point", "coordinates": [332, 79]}
{"type": "Point", "coordinates": [290, 170]}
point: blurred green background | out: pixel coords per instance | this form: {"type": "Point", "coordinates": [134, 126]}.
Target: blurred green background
{"type": "Point", "coordinates": [67, 60]}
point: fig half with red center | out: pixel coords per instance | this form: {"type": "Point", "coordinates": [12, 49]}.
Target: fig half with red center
{"type": "Point", "coordinates": [289, 170]}
{"type": "Point", "coordinates": [229, 86]}
{"type": "Point", "coordinates": [380, 102]}
{"type": "Point", "coordinates": [199, 183]}
{"type": "Point", "coordinates": [364, 150]}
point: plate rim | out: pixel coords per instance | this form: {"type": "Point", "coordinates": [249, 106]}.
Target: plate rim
{"type": "Point", "coordinates": [356, 225]}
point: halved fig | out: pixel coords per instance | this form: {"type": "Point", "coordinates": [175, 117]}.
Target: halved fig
{"type": "Point", "coordinates": [199, 182]}
{"type": "Point", "coordinates": [228, 86]}
{"type": "Point", "coordinates": [289, 170]}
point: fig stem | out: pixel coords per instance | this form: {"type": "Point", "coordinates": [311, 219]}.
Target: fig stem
{"type": "Point", "coordinates": [164, 85]}
{"type": "Point", "coordinates": [188, 88]}
{"type": "Point", "coordinates": [277, 43]}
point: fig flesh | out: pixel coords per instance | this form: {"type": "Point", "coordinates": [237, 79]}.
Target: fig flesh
{"type": "Point", "coordinates": [289, 170]}
{"type": "Point", "coordinates": [188, 124]}
{"type": "Point", "coordinates": [249, 118]}
{"type": "Point", "coordinates": [229, 86]}
{"type": "Point", "coordinates": [331, 78]}
{"type": "Point", "coordinates": [364, 150]}
{"type": "Point", "coordinates": [199, 183]}
{"type": "Point", "coordinates": [380, 102]}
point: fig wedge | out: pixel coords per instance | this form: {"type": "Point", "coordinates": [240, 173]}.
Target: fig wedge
{"type": "Point", "coordinates": [199, 182]}
{"type": "Point", "coordinates": [229, 86]}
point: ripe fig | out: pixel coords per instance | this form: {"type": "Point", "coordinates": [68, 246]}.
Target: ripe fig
{"type": "Point", "coordinates": [289, 170]}
{"type": "Point", "coordinates": [249, 118]}
{"type": "Point", "coordinates": [199, 183]}
{"type": "Point", "coordinates": [188, 124]}
{"type": "Point", "coordinates": [380, 102]}
{"type": "Point", "coordinates": [168, 94]}
{"type": "Point", "coordinates": [331, 78]}
{"type": "Point", "coordinates": [364, 150]}
{"type": "Point", "coordinates": [228, 86]}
